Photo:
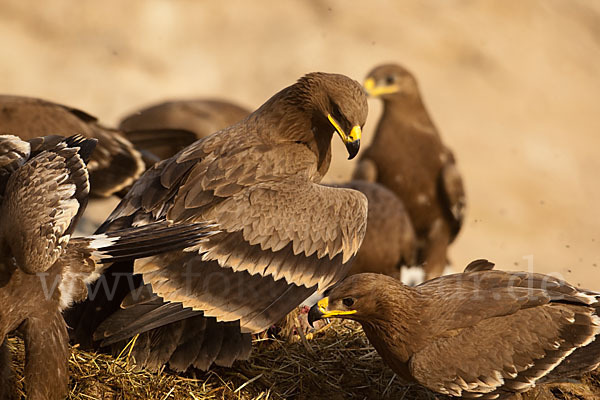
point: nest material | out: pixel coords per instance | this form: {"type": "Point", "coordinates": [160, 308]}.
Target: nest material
{"type": "Point", "coordinates": [339, 363]}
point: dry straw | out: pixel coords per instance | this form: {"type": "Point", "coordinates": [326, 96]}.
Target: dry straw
{"type": "Point", "coordinates": [338, 363]}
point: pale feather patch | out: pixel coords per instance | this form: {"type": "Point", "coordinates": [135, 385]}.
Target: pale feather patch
{"type": "Point", "coordinates": [198, 246]}
{"type": "Point", "coordinates": [422, 199]}
{"type": "Point", "coordinates": [595, 321]}
{"type": "Point", "coordinates": [66, 288]}
{"type": "Point", "coordinates": [101, 241]}
{"type": "Point", "coordinates": [511, 375]}
{"type": "Point", "coordinates": [415, 275]}
{"type": "Point", "coordinates": [487, 385]}
{"type": "Point", "coordinates": [92, 277]}
{"type": "Point", "coordinates": [12, 149]}
{"type": "Point", "coordinates": [589, 299]}
{"type": "Point", "coordinates": [412, 276]}
{"type": "Point", "coordinates": [312, 299]}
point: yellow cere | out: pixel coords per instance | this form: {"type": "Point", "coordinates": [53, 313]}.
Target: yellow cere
{"type": "Point", "coordinates": [323, 303]}
{"type": "Point", "coordinates": [355, 133]}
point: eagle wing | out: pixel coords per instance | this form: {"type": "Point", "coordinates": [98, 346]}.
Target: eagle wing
{"type": "Point", "coordinates": [43, 200]}
{"type": "Point", "coordinates": [279, 239]}
{"type": "Point", "coordinates": [524, 325]}
{"type": "Point", "coordinates": [114, 165]}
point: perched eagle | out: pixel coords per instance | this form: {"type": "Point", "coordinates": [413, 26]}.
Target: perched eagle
{"type": "Point", "coordinates": [43, 191]}
{"type": "Point", "coordinates": [482, 334]}
{"type": "Point", "coordinates": [283, 235]}
{"type": "Point", "coordinates": [408, 157]}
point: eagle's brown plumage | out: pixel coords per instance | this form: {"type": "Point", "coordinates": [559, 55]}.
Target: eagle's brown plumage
{"type": "Point", "coordinates": [389, 241]}
{"type": "Point", "coordinates": [283, 234]}
{"type": "Point", "coordinates": [481, 334]}
{"type": "Point", "coordinates": [43, 191]}
{"type": "Point", "coordinates": [407, 156]}
{"type": "Point", "coordinates": [114, 165]}
{"type": "Point", "coordinates": [148, 128]}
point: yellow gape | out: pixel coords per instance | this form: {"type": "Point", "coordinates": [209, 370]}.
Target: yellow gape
{"type": "Point", "coordinates": [374, 91]}
{"type": "Point", "coordinates": [324, 303]}
{"type": "Point", "coordinates": [354, 135]}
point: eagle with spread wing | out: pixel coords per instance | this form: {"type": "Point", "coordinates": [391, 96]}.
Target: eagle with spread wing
{"type": "Point", "coordinates": [282, 234]}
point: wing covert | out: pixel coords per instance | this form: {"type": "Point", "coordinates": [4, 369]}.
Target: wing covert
{"type": "Point", "coordinates": [43, 200]}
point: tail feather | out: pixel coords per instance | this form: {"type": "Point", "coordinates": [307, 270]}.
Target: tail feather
{"type": "Point", "coordinates": [115, 329]}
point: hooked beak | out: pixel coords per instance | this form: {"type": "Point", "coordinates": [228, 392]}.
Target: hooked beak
{"type": "Point", "coordinates": [352, 141]}
{"type": "Point", "coordinates": [320, 311]}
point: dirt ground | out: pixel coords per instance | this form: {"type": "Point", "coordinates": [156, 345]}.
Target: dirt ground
{"type": "Point", "coordinates": [513, 86]}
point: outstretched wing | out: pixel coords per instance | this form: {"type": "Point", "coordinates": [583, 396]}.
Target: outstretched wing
{"type": "Point", "coordinates": [85, 258]}
{"type": "Point", "coordinates": [280, 239]}
{"type": "Point", "coordinates": [256, 211]}
{"type": "Point", "coordinates": [274, 251]}
{"type": "Point", "coordinates": [43, 200]}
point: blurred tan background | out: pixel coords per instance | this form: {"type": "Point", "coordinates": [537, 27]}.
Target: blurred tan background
{"type": "Point", "coordinates": [514, 87]}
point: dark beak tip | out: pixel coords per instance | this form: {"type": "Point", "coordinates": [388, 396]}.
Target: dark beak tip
{"type": "Point", "coordinates": [352, 148]}
{"type": "Point", "coordinates": [313, 315]}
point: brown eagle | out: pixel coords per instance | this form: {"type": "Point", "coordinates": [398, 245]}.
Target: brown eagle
{"type": "Point", "coordinates": [283, 235]}
{"type": "Point", "coordinates": [408, 157]}
{"type": "Point", "coordinates": [482, 334]}
{"type": "Point", "coordinates": [44, 187]}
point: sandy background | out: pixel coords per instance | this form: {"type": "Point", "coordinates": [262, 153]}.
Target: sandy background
{"type": "Point", "coordinates": [514, 87]}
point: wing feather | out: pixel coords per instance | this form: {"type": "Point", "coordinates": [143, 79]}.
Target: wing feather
{"type": "Point", "coordinates": [524, 324]}
{"type": "Point", "coordinates": [223, 293]}
{"type": "Point", "coordinates": [44, 199]}
{"type": "Point", "coordinates": [511, 355]}
{"type": "Point", "coordinates": [14, 152]}
{"type": "Point", "coordinates": [280, 237]}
